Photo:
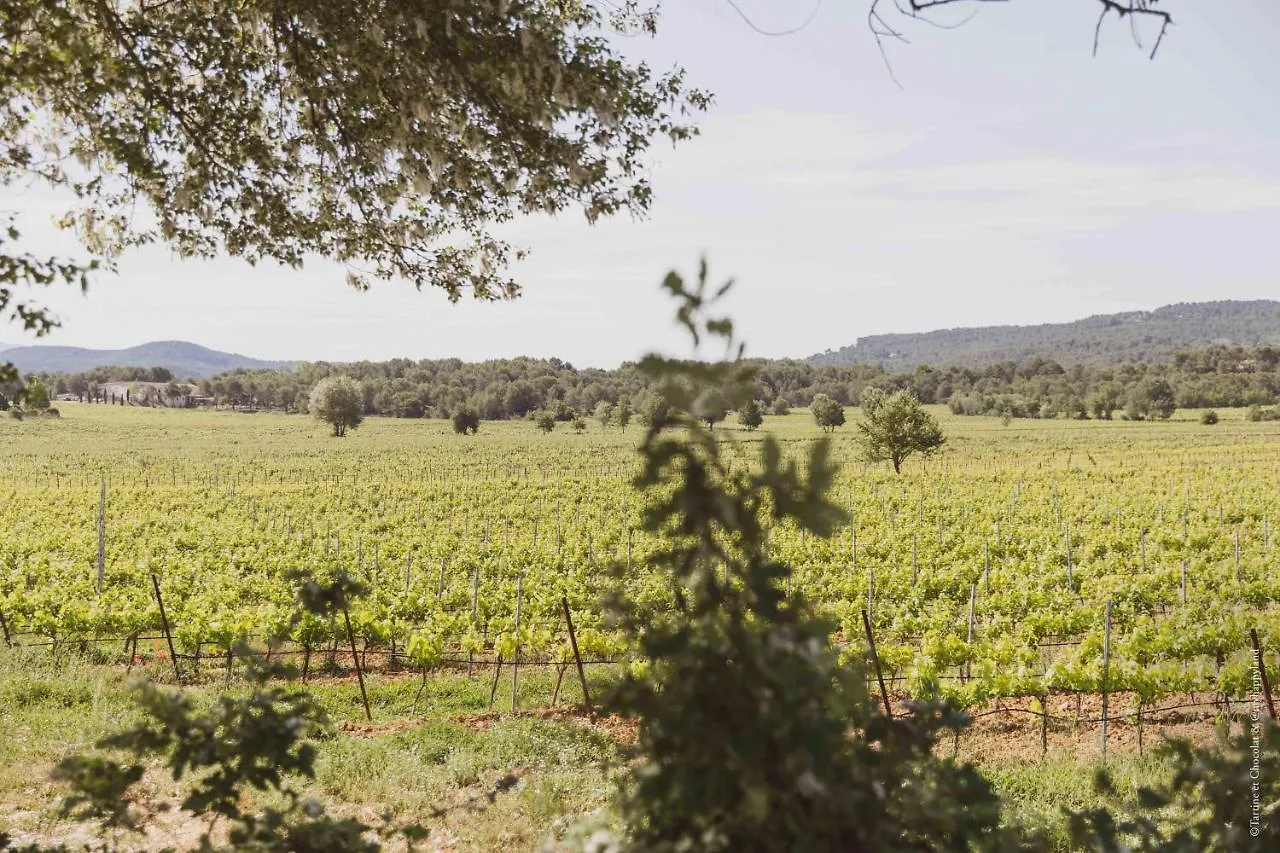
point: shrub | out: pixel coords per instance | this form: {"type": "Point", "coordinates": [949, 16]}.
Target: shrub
{"type": "Point", "coordinates": [466, 421]}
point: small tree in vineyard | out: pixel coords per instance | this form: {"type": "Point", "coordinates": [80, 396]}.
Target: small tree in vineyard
{"type": "Point", "coordinates": [621, 415]}
{"type": "Point", "coordinates": [750, 416]}
{"type": "Point", "coordinates": [339, 402]}
{"type": "Point", "coordinates": [604, 413]}
{"type": "Point", "coordinates": [545, 421]}
{"type": "Point", "coordinates": [895, 426]}
{"type": "Point", "coordinates": [653, 409]}
{"type": "Point", "coordinates": [827, 412]}
{"type": "Point", "coordinates": [466, 421]}
{"type": "Point", "coordinates": [711, 407]}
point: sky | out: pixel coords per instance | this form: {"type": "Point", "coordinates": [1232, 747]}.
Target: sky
{"type": "Point", "coordinates": [1000, 174]}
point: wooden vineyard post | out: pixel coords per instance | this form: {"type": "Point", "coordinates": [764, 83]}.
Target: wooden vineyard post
{"type": "Point", "coordinates": [475, 601]}
{"type": "Point", "coordinates": [408, 570]}
{"type": "Point", "coordinates": [1071, 581]}
{"type": "Point", "coordinates": [515, 655]}
{"type": "Point", "coordinates": [164, 623]}
{"type": "Point", "coordinates": [875, 660]}
{"type": "Point", "coordinates": [1184, 581]}
{"type": "Point", "coordinates": [555, 695]}
{"type": "Point", "coordinates": [440, 582]}
{"type": "Point", "coordinates": [973, 605]}
{"type": "Point", "coordinates": [1144, 550]}
{"type": "Point", "coordinates": [355, 659]}
{"type": "Point", "coordinates": [1237, 552]}
{"type": "Point", "coordinates": [1262, 671]}
{"type": "Point", "coordinates": [853, 546]}
{"type": "Point", "coordinates": [4, 626]}
{"type": "Point", "coordinates": [871, 588]}
{"type": "Point", "coordinates": [493, 686]}
{"type": "Point", "coordinates": [577, 656]}
{"type": "Point", "coordinates": [915, 565]}
{"type": "Point", "coordinates": [986, 566]}
{"type": "Point", "coordinates": [1044, 725]}
{"type": "Point", "coordinates": [102, 536]}
{"type": "Point", "coordinates": [1106, 667]}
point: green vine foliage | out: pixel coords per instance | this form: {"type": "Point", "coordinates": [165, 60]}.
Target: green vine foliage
{"type": "Point", "coordinates": [240, 744]}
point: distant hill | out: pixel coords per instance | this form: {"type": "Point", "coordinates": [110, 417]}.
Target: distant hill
{"type": "Point", "coordinates": [1133, 336]}
{"type": "Point", "coordinates": [186, 360]}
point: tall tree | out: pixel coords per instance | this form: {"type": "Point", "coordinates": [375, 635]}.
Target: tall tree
{"type": "Point", "coordinates": [895, 426]}
{"type": "Point", "coordinates": [388, 135]}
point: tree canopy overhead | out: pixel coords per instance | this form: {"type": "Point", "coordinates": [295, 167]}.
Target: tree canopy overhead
{"type": "Point", "coordinates": [389, 135]}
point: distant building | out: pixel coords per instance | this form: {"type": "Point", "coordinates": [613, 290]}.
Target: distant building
{"type": "Point", "coordinates": [159, 394]}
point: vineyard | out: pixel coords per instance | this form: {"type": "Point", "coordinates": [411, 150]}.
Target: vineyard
{"type": "Point", "coordinates": [1025, 562]}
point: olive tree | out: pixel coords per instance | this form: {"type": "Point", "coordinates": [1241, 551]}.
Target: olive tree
{"type": "Point", "coordinates": [750, 416]}
{"type": "Point", "coordinates": [895, 426]}
{"type": "Point", "coordinates": [653, 409]}
{"type": "Point", "coordinates": [604, 413]}
{"type": "Point", "coordinates": [544, 420]}
{"type": "Point", "coordinates": [466, 421]}
{"type": "Point", "coordinates": [711, 407]}
{"type": "Point", "coordinates": [1153, 398]}
{"type": "Point", "coordinates": [622, 415]}
{"type": "Point", "coordinates": [827, 412]}
{"type": "Point", "coordinates": [339, 402]}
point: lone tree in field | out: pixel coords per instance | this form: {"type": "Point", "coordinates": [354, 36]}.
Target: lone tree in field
{"type": "Point", "coordinates": [895, 426]}
{"type": "Point", "coordinates": [653, 409]}
{"type": "Point", "coordinates": [710, 407]}
{"type": "Point", "coordinates": [604, 413]}
{"type": "Point", "coordinates": [750, 416]}
{"type": "Point", "coordinates": [622, 415]}
{"type": "Point", "coordinates": [827, 412]}
{"type": "Point", "coordinates": [339, 402]}
{"type": "Point", "coordinates": [37, 394]}
{"type": "Point", "coordinates": [466, 421]}
{"type": "Point", "coordinates": [1154, 398]}
{"type": "Point", "coordinates": [544, 420]}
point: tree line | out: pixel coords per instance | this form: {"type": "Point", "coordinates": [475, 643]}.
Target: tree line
{"type": "Point", "coordinates": [1212, 377]}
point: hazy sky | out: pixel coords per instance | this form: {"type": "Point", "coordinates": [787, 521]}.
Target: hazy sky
{"type": "Point", "coordinates": [1012, 179]}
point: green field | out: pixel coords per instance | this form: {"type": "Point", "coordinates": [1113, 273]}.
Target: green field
{"type": "Point", "coordinates": [987, 572]}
